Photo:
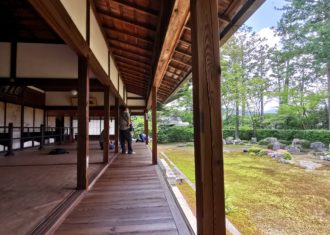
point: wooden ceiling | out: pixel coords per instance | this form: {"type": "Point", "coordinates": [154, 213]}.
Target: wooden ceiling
{"type": "Point", "coordinates": [132, 28]}
{"type": "Point", "coordinates": [20, 22]}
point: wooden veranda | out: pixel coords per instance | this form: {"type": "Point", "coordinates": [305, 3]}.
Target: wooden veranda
{"type": "Point", "coordinates": [67, 65]}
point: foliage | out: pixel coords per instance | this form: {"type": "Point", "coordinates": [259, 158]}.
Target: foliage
{"type": "Point", "coordinates": [263, 152]}
{"type": "Point", "coordinates": [170, 134]}
{"type": "Point", "coordinates": [254, 150]}
{"type": "Point", "coordinates": [286, 155]}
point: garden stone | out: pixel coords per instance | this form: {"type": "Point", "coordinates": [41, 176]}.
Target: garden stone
{"type": "Point", "coordinates": [318, 146]}
{"type": "Point", "coordinates": [293, 149]}
{"type": "Point", "coordinates": [271, 140]}
{"type": "Point", "coordinates": [276, 145]}
{"type": "Point", "coordinates": [230, 140]}
{"type": "Point", "coordinates": [237, 141]}
{"type": "Point", "coordinates": [309, 165]}
{"type": "Point", "coordinates": [253, 140]}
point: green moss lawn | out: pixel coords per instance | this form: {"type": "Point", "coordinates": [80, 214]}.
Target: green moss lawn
{"type": "Point", "coordinates": [266, 197]}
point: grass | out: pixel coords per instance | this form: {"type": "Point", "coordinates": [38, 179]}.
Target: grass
{"type": "Point", "coordinates": [267, 197]}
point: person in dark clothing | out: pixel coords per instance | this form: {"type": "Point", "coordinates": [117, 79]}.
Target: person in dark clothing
{"type": "Point", "coordinates": [124, 130]}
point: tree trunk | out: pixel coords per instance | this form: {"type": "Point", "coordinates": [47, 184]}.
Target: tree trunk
{"type": "Point", "coordinates": [328, 78]}
{"type": "Point", "coordinates": [237, 120]}
{"type": "Point", "coordinates": [286, 84]}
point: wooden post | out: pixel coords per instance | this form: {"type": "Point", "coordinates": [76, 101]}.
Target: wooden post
{"type": "Point", "coordinates": [207, 118]}
{"type": "Point", "coordinates": [106, 125]}
{"type": "Point", "coordinates": [116, 125]}
{"type": "Point", "coordinates": [42, 136]}
{"type": "Point", "coordinates": [22, 125]}
{"type": "Point", "coordinates": [154, 125]}
{"type": "Point", "coordinates": [146, 129]}
{"type": "Point", "coordinates": [83, 124]}
{"type": "Point", "coordinates": [71, 130]}
{"type": "Point", "coordinates": [10, 151]}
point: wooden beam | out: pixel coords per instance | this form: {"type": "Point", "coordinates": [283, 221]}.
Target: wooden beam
{"type": "Point", "coordinates": [129, 54]}
{"type": "Point", "coordinates": [207, 118]}
{"type": "Point", "coordinates": [116, 125]}
{"type": "Point", "coordinates": [83, 124]}
{"type": "Point", "coordinates": [154, 125]}
{"type": "Point", "coordinates": [180, 62]}
{"type": "Point", "coordinates": [144, 64]}
{"type": "Point", "coordinates": [135, 68]}
{"type": "Point", "coordinates": [125, 46]}
{"type": "Point", "coordinates": [136, 8]}
{"type": "Point", "coordinates": [123, 20]}
{"type": "Point", "coordinates": [127, 34]}
{"type": "Point", "coordinates": [106, 125]}
{"type": "Point", "coordinates": [178, 19]}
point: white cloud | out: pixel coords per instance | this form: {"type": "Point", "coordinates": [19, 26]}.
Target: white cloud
{"type": "Point", "coordinates": [269, 34]}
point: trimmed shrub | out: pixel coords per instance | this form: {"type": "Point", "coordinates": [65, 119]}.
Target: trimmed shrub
{"type": "Point", "coordinates": [282, 134]}
{"type": "Point", "coordinates": [263, 152]}
{"type": "Point", "coordinates": [254, 150]}
{"type": "Point", "coordinates": [170, 134]}
{"type": "Point", "coordinates": [286, 155]}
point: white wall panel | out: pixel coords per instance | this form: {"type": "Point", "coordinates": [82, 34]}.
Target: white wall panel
{"type": "Point", "coordinates": [113, 73]}
{"type": "Point", "coordinates": [39, 117]}
{"type": "Point", "coordinates": [130, 94]}
{"type": "Point", "coordinates": [39, 60]}
{"type": "Point", "coordinates": [131, 102]}
{"type": "Point", "coordinates": [77, 10]}
{"type": "Point", "coordinates": [28, 117]}
{"type": "Point", "coordinates": [4, 59]}
{"type": "Point", "coordinates": [98, 43]}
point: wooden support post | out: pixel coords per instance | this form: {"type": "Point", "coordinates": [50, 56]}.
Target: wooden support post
{"type": "Point", "coordinates": [83, 124]}
{"type": "Point", "coordinates": [154, 125]}
{"type": "Point", "coordinates": [42, 136]}
{"type": "Point", "coordinates": [106, 125]}
{"type": "Point", "coordinates": [71, 130]}
{"type": "Point", "coordinates": [116, 125]}
{"type": "Point", "coordinates": [207, 118]}
{"type": "Point", "coordinates": [10, 151]}
{"type": "Point", "coordinates": [22, 125]}
{"type": "Point", "coordinates": [146, 129]}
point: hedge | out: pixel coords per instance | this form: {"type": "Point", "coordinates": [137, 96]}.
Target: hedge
{"type": "Point", "coordinates": [168, 134]}
{"type": "Point", "coordinates": [281, 134]}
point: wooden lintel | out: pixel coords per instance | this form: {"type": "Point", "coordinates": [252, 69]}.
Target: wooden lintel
{"type": "Point", "coordinates": [178, 19]}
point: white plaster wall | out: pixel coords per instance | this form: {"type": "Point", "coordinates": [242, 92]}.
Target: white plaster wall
{"type": "Point", "coordinates": [55, 98]}
{"type": "Point", "coordinates": [66, 121]}
{"type": "Point", "coordinates": [4, 59]}
{"type": "Point", "coordinates": [113, 73]}
{"type": "Point", "coordinates": [51, 121]}
{"type": "Point", "coordinates": [77, 11]}
{"type": "Point", "coordinates": [120, 88]}
{"type": "Point", "coordinates": [13, 114]}
{"type": "Point", "coordinates": [98, 43]}
{"type": "Point", "coordinates": [28, 117]}
{"type": "Point", "coordinates": [39, 117]}
{"type": "Point", "coordinates": [129, 94]}
{"type": "Point", "coordinates": [39, 60]}
{"type": "Point", "coordinates": [131, 102]}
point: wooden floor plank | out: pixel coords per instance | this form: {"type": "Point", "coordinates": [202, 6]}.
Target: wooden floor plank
{"type": "Point", "coordinates": [129, 198]}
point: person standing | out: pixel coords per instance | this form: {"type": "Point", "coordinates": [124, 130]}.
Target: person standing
{"type": "Point", "coordinates": [125, 130]}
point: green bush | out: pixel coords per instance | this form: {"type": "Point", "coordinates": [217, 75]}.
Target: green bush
{"type": "Point", "coordinates": [270, 146]}
{"type": "Point", "coordinates": [285, 142]}
{"type": "Point", "coordinates": [263, 152]}
{"type": "Point", "coordinates": [287, 155]}
{"type": "Point", "coordinates": [283, 134]}
{"type": "Point", "coordinates": [254, 150]}
{"type": "Point", "coordinates": [170, 134]}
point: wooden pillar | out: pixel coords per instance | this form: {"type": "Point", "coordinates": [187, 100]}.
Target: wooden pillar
{"type": "Point", "coordinates": [116, 125]}
{"type": "Point", "coordinates": [83, 124]}
{"type": "Point", "coordinates": [146, 129]}
{"type": "Point", "coordinates": [207, 118]}
{"type": "Point", "coordinates": [10, 151]}
{"type": "Point", "coordinates": [154, 125]}
{"type": "Point", "coordinates": [106, 125]}
{"type": "Point", "coordinates": [42, 136]}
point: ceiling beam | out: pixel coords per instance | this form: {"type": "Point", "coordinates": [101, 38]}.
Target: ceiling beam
{"type": "Point", "coordinates": [131, 55]}
{"type": "Point", "coordinates": [128, 34]}
{"type": "Point", "coordinates": [126, 46]}
{"type": "Point", "coordinates": [131, 61]}
{"type": "Point", "coordinates": [136, 8]}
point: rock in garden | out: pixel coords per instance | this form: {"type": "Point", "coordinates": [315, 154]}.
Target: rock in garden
{"type": "Point", "coordinates": [237, 141]}
{"type": "Point", "coordinates": [293, 149]}
{"type": "Point", "coordinates": [318, 146]}
{"type": "Point", "coordinates": [309, 165]}
{"type": "Point", "coordinates": [230, 140]}
{"type": "Point", "coordinates": [253, 140]}
{"type": "Point", "coordinates": [276, 145]}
